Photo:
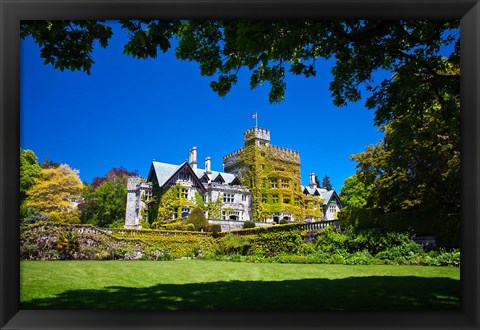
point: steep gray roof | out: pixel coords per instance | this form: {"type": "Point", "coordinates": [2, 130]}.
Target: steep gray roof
{"type": "Point", "coordinates": [324, 193]}
{"type": "Point", "coordinates": [228, 177]}
{"type": "Point", "coordinates": [165, 171]}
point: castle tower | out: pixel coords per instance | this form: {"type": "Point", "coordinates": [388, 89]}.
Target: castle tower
{"type": "Point", "coordinates": [137, 189]}
{"type": "Point", "coordinates": [272, 173]}
{"type": "Point", "coordinates": [257, 136]}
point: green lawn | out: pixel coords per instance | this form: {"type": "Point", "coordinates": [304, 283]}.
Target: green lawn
{"type": "Point", "coordinates": [216, 285]}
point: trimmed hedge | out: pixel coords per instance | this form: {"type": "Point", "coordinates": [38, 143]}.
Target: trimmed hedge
{"type": "Point", "coordinates": [264, 243]}
{"type": "Point", "coordinates": [445, 227]}
{"type": "Point", "coordinates": [272, 243]}
{"type": "Point", "coordinates": [182, 246]}
{"type": "Point", "coordinates": [265, 230]}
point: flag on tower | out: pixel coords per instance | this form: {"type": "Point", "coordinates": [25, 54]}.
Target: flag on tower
{"type": "Point", "coordinates": [254, 116]}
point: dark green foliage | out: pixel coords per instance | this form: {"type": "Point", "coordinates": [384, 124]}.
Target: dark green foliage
{"type": "Point", "coordinates": [326, 183]}
{"type": "Point", "coordinates": [248, 224]}
{"type": "Point", "coordinates": [29, 170]}
{"type": "Point", "coordinates": [283, 221]}
{"type": "Point", "coordinates": [355, 193]}
{"type": "Point", "coordinates": [272, 243]}
{"type": "Point", "coordinates": [104, 201]}
{"type": "Point", "coordinates": [445, 227]}
{"type": "Point", "coordinates": [197, 218]}
{"type": "Point", "coordinates": [443, 258]}
{"type": "Point", "coordinates": [67, 44]}
{"type": "Point", "coordinates": [233, 244]}
{"type": "Point", "coordinates": [329, 240]}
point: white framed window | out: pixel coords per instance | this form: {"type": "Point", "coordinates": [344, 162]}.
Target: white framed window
{"type": "Point", "coordinates": [185, 193]}
{"type": "Point", "coordinates": [244, 198]}
{"type": "Point", "coordinates": [228, 198]}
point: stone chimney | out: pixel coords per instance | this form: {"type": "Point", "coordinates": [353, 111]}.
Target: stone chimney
{"type": "Point", "coordinates": [193, 159]}
{"type": "Point", "coordinates": [208, 166]}
{"type": "Point", "coordinates": [312, 180]}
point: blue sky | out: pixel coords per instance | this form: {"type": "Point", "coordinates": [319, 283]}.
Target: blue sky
{"type": "Point", "coordinates": [129, 112]}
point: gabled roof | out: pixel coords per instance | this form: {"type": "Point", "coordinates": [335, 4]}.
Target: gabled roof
{"type": "Point", "coordinates": [219, 178]}
{"type": "Point", "coordinates": [164, 172]}
{"type": "Point", "coordinates": [327, 195]}
{"type": "Point", "coordinates": [227, 177]}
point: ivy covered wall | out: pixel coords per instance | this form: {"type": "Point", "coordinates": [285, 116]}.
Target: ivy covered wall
{"type": "Point", "coordinates": [273, 175]}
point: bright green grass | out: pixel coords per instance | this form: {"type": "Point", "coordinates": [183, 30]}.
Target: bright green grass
{"type": "Point", "coordinates": [217, 285]}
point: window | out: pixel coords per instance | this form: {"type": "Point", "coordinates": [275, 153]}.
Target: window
{"type": "Point", "coordinates": [244, 198]}
{"type": "Point", "coordinates": [274, 184]}
{"type": "Point", "coordinates": [332, 208]}
{"type": "Point", "coordinates": [286, 200]}
{"type": "Point", "coordinates": [264, 198]}
{"type": "Point", "coordinates": [285, 184]}
{"type": "Point", "coordinates": [185, 193]}
{"type": "Point", "coordinates": [183, 176]}
{"type": "Point", "coordinates": [228, 198]}
{"type": "Point", "coordinates": [175, 212]}
{"type": "Point", "coordinates": [185, 212]}
{"type": "Point", "coordinates": [297, 201]}
{"type": "Point", "coordinates": [274, 198]}
{"type": "Point", "coordinates": [223, 215]}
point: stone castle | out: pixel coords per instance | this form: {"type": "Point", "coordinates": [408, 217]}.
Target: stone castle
{"type": "Point", "coordinates": [260, 182]}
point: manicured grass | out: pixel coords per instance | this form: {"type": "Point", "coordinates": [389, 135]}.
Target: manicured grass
{"type": "Point", "coordinates": [216, 285]}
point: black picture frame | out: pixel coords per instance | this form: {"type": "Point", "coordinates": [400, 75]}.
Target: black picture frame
{"type": "Point", "coordinates": [12, 11]}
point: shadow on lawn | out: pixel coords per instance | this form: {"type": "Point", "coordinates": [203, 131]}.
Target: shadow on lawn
{"type": "Point", "coordinates": [376, 292]}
